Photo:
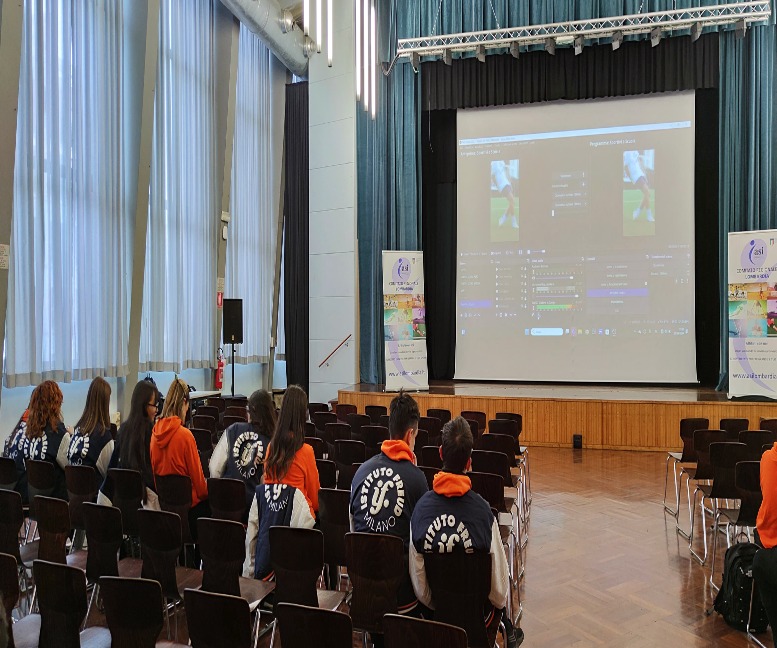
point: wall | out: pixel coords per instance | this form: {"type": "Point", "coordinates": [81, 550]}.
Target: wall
{"type": "Point", "coordinates": [333, 278]}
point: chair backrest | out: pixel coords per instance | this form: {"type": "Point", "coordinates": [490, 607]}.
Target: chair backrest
{"type": "Point", "coordinates": [302, 626]}
{"type": "Point", "coordinates": [723, 459]}
{"type": "Point", "coordinates": [133, 610]}
{"type": "Point", "coordinates": [344, 409]}
{"type": "Point", "coordinates": [8, 475]}
{"type": "Point", "coordinates": [209, 410]}
{"type": "Point", "coordinates": [376, 566]}
{"type": "Point", "coordinates": [357, 422]}
{"type": "Point", "coordinates": [345, 475]}
{"type": "Point", "coordinates": [160, 544]}
{"type": "Point", "coordinates": [701, 444]}
{"type": "Point", "coordinates": [11, 520]}
{"type": "Point", "coordinates": [499, 443]}
{"type": "Point", "coordinates": [62, 602]}
{"type": "Point", "coordinates": [230, 420]}
{"type": "Point", "coordinates": [374, 435]}
{"type": "Point", "coordinates": [297, 558]}
{"type": "Point", "coordinates": [227, 498]}
{"type": "Point", "coordinates": [511, 416]}
{"type": "Point", "coordinates": [41, 480]}
{"type": "Point", "coordinates": [432, 426]}
{"type": "Point", "coordinates": [507, 427]}
{"type": "Point", "coordinates": [320, 419]}
{"type": "Point", "coordinates": [460, 583]}
{"type": "Point", "coordinates": [421, 438]}
{"type": "Point", "coordinates": [335, 431]}
{"type": "Point", "coordinates": [491, 488]}
{"type": "Point", "coordinates": [475, 428]}
{"type": "Point", "coordinates": [204, 440]}
{"type": "Point", "coordinates": [492, 462]}
{"type": "Point", "coordinates": [430, 456]}
{"type": "Point", "coordinates": [53, 528]}
{"type": "Point", "coordinates": [687, 427]}
{"type": "Point", "coordinates": [318, 445]}
{"type": "Point", "coordinates": [204, 422]}
{"type": "Point", "coordinates": [734, 426]}
{"type": "Point", "coordinates": [334, 516]}
{"type": "Point", "coordinates": [747, 479]}
{"type": "Point", "coordinates": [103, 537]}
{"type": "Point", "coordinates": [401, 631]}
{"type": "Point", "coordinates": [479, 417]}
{"type": "Point", "coordinates": [384, 420]}
{"type": "Point", "coordinates": [233, 628]}
{"type": "Point", "coordinates": [755, 441]}
{"type": "Point", "coordinates": [310, 429]}
{"type": "Point", "coordinates": [238, 411]}
{"type": "Point", "coordinates": [128, 492]}
{"type": "Point", "coordinates": [769, 424]}
{"type": "Point", "coordinates": [443, 414]}
{"type": "Point", "coordinates": [349, 452]}
{"type": "Point", "coordinates": [327, 473]}
{"type": "Point", "coordinates": [9, 583]}
{"type": "Point", "coordinates": [222, 547]}
{"type": "Point", "coordinates": [175, 496]}
{"type": "Point", "coordinates": [429, 473]}
{"type": "Point", "coordinates": [317, 407]}
{"type": "Point", "coordinates": [81, 482]}
{"type": "Point", "coordinates": [375, 412]}
{"type": "Point", "coordinates": [219, 403]}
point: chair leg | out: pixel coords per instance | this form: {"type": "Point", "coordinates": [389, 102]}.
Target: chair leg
{"type": "Point", "coordinates": [678, 528]}
{"type": "Point", "coordinates": [272, 634]}
{"type": "Point", "coordinates": [95, 590]}
{"type": "Point", "coordinates": [667, 508]}
{"type": "Point", "coordinates": [715, 528]}
{"type": "Point", "coordinates": [701, 559]}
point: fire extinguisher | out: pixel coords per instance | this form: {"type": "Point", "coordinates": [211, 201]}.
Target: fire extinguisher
{"type": "Point", "coordinates": [220, 369]}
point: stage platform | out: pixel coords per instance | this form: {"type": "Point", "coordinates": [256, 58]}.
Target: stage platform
{"type": "Point", "coordinates": [609, 417]}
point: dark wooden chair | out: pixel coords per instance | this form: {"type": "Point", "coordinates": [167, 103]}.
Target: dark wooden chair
{"type": "Point", "coordinates": [349, 455]}
{"type": "Point", "coordinates": [702, 471]}
{"type": "Point", "coordinates": [219, 403]}
{"type": "Point", "coordinates": [204, 440]}
{"type": "Point", "coordinates": [317, 407]}
{"type": "Point", "coordinates": [475, 428]}
{"type": "Point", "coordinates": [375, 412]}
{"type": "Point", "coordinates": [460, 583]}
{"type": "Point", "coordinates": [421, 438]}
{"type": "Point", "coordinates": [334, 432]}
{"type": "Point", "coordinates": [175, 496]}
{"type": "Point", "coordinates": [11, 521]}
{"type": "Point", "coordinates": [128, 493]}
{"type": "Point", "coordinates": [222, 547]}
{"type": "Point", "coordinates": [433, 426]}
{"type": "Point", "coordinates": [506, 427]}
{"type": "Point", "coordinates": [511, 416]}
{"type": "Point", "coordinates": [310, 429]}
{"type": "Point", "coordinates": [430, 456]}
{"type": "Point", "coordinates": [237, 411]}
{"type": "Point", "coordinates": [318, 445]}
{"type": "Point", "coordinates": [327, 473]}
{"type": "Point", "coordinates": [233, 628]}
{"type": "Point", "coordinates": [755, 440]}
{"type": "Point", "coordinates": [204, 422]}
{"type": "Point", "coordinates": [41, 480]}
{"type": "Point", "coordinates": [334, 515]}
{"type": "Point", "coordinates": [9, 589]}
{"type": "Point", "coordinates": [686, 457]}
{"type": "Point", "coordinates": [768, 424]}
{"type": "Point", "coordinates": [496, 463]}
{"type": "Point", "coordinates": [478, 417]}
{"type": "Point", "coordinates": [402, 631]}
{"type": "Point", "coordinates": [8, 475]}
{"type": "Point", "coordinates": [374, 436]}
{"type": "Point", "coordinates": [734, 426]}
{"type": "Point", "coordinates": [377, 565]}
{"type": "Point", "coordinates": [321, 419]}
{"type": "Point", "coordinates": [53, 531]}
{"type": "Point", "coordinates": [358, 421]}
{"type": "Point", "coordinates": [227, 499]}
{"type": "Point", "coordinates": [302, 626]}
{"type": "Point", "coordinates": [231, 420]}
{"type": "Point", "coordinates": [429, 473]}
{"type": "Point", "coordinates": [344, 409]}
{"type": "Point", "coordinates": [81, 482]}
{"type": "Point", "coordinates": [384, 420]}
{"type": "Point", "coordinates": [443, 415]}
{"type": "Point", "coordinates": [209, 410]}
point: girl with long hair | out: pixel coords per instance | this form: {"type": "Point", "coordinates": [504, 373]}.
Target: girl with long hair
{"type": "Point", "coordinates": [131, 450]}
{"type": "Point", "coordinates": [241, 451]}
{"type": "Point", "coordinates": [92, 443]}
{"type": "Point", "coordinates": [44, 437]}
{"type": "Point", "coordinates": [174, 450]}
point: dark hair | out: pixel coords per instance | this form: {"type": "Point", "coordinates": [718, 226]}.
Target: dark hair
{"type": "Point", "coordinates": [457, 445]}
{"type": "Point", "coordinates": [262, 411]}
{"type": "Point", "coordinates": [45, 409]}
{"type": "Point", "coordinates": [289, 433]}
{"type": "Point", "coordinates": [403, 414]}
{"type": "Point", "coordinates": [135, 433]}
{"type": "Point", "coordinates": [96, 414]}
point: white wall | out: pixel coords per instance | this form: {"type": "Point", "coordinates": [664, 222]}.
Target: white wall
{"type": "Point", "coordinates": [333, 260]}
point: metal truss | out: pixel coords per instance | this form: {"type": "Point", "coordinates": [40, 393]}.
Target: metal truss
{"type": "Point", "coordinates": [743, 13]}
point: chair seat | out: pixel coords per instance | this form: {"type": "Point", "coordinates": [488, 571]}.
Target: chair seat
{"type": "Point", "coordinates": [255, 591]}
{"type": "Point", "coordinates": [330, 599]}
{"type": "Point", "coordinates": [96, 637]}
{"type": "Point", "coordinates": [705, 489]}
{"type": "Point", "coordinates": [730, 514]}
{"type": "Point", "coordinates": [77, 559]}
{"type": "Point", "coordinates": [676, 455]}
{"type": "Point", "coordinates": [188, 578]}
{"type": "Point", "coordinates": [505, 520]}
{"type": "Point", "coordinates": [690, 471]}
{"type": "Point", "coordinates": [130, 567]}
{"type": "Point", "coordinates": [26, 631]}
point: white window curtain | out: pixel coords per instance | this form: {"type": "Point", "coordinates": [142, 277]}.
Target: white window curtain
{"type": "Point", "coordinates": [67, 316]}
{"type": "Point", "coordinates": [255, 193]}
{"type": "Point", "coordinates": [178, 327]}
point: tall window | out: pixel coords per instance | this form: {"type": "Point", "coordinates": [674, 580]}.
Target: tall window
{"type": "Point", "coordinates": [178, 325]}
{"type": "Point", "coordinates": [70, 245]}
{"type": "Point", "coordinates": [254, 198]}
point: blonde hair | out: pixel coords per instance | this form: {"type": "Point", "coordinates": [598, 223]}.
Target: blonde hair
{"type": "Point", "coordinates": [176, 399]}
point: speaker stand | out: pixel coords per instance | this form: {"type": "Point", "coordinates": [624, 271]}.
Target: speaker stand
{"type": "Point", "coordinates": [233, 371]}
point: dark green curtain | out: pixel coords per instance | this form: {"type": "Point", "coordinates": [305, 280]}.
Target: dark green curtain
{"type": "Point", "coordinates": [388, 157]}
{"type": "Point", "coordinates": [748, 155]}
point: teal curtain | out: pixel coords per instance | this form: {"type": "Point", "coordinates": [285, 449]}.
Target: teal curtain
{"type": "Point", "coordinates": [748, 155]}
{"type": "Point", "coordinates": [388, 157]}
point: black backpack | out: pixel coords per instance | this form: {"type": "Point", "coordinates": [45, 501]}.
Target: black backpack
{"type": "Point", "coordinates": [733, 599]}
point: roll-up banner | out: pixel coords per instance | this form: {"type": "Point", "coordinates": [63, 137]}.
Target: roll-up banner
{"type": "Point", "coordinates": [752, 313]}
{"type": "Point", "coordinates": [404, 321]}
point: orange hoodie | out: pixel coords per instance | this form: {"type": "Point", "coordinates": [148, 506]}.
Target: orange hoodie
{"type": "Point", "coordinates": [766, 522]}
{"type": "Point", "coordinates": [174, 452]}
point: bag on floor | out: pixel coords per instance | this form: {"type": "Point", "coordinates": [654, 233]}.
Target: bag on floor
{"type": "Point", "coordinates": [733, 599]}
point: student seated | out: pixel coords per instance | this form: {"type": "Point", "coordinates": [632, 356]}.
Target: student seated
{"type": "Point", "coordinates": [288, 495]}
{"type": "Point", "coordinates": [132, 448]}
{"type": "Point", "coordinates": [452, 498]}
{"type": "Point", "coordinates": [241, 450]}
{"type": "Point", "coordinates": [765, 559]}
{"type": "Point", "coordinates": [91, 443]}
{"type": "Point", "coordinates": [174, 450]}
{"type": "Point", "coordinates": [387, 487]}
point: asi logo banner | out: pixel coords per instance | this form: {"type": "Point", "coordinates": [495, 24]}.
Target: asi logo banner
{"type": "Point", "coordinates": [752, 313]}
{"type": "Point", "coordinates": [404, 321]}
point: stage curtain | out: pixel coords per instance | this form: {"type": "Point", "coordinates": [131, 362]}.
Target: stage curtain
{"type": "Point", "coordinates": [296, 235]}
{"type": "Point", "coordinates": [748, 155]}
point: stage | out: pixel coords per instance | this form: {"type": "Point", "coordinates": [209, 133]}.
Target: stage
{"type": "Point", "coordinates": [609, 417]}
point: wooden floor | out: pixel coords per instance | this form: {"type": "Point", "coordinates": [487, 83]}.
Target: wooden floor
{"type": "Point", "coordinates": [604, 565]}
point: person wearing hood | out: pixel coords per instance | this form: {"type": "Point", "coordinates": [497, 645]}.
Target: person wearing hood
{"type": "Point", "coordinates": [174, 450]}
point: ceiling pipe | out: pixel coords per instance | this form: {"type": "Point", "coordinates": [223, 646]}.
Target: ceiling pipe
{"type": "Point", "coordinates": [265, 18]}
